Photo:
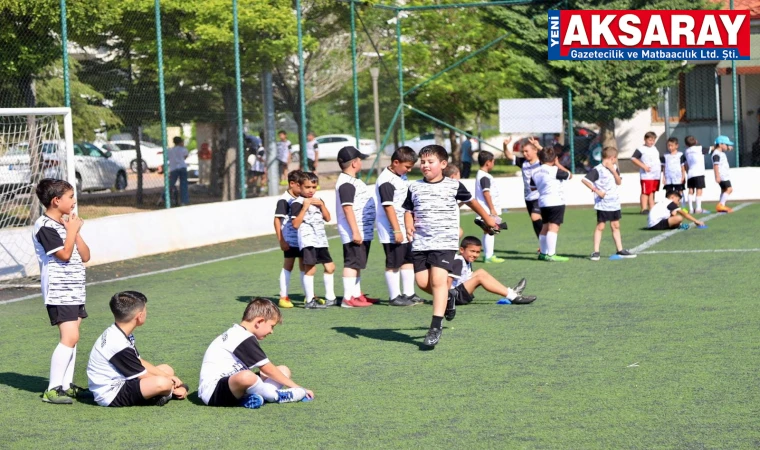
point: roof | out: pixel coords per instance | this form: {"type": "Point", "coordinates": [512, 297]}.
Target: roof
{"type": "Point", "coordinates": [744, 66]}
{"type": "Point", "coordinates": [752, 5]}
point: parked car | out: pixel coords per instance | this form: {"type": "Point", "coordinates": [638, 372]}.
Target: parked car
{"type": "Point", "coordinates": [192, 164]}
{"type": "Point", "coordinates": [418, 142]}
{"type": "Point", "coordinates": [152, 154]}
{"type": "Point", "coordinates": [330, 145]}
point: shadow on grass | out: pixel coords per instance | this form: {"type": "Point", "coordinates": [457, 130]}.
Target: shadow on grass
{"type": "Point", "coordinates": [194, 399]}
{"type": "Point", "coordinates": [29, 383]}
{"type": "Point", "coordinates": [298, 298]}
{"type": "Point", "coordinates": [532, 256]}
{"type": "Point", "coordinates": [384, 334]}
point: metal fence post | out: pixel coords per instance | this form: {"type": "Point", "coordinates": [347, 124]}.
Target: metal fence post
{"type": "Point", "coordinates": [301, 89]}
{"type": "Point", "coordinates": [353, 67]}
{"type": "Point", "coordinates": [400, 75]}
{"type": "Point", "coordinates": [239, 95]}
{"type": "Point", "coordinates": [65, 48]}
{"type": "Point", "coordinates": [162, 102]}
{"type": "Point", "coordinates": [571, 129]}
{"type": "Point", "coordinates": [273, 165]}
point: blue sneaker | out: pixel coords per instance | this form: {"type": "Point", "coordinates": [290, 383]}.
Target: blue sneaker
{"type": "Point", "coordinates": [253, 401]}
{"type": "Point", "coordinates": [291, 395]}
{"type": "Point", "coordinates": [504, 301]}
{"type": "Point", "coordinates": [683, 226]}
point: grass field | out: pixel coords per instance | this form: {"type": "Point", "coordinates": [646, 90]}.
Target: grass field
{"type": "Point", "coordinates": [656, 352]}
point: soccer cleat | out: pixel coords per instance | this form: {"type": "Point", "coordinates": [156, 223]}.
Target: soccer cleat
{"type": "Point", "coordinates": [723, 209]}
{"type": "Point", "coordinates": [56, 396]}
{"type": "Point", "coordinates": [401, 301]}
{"type": "Point", "coordinates": [451, 305]}
{"type": "Point", "coordinates": [354, 302]}
{"type": "Point", "coordinates": [488, 230]}
{"type": "Point", "coordinates": [644, 212]}
{"type": "Point", "coordinates": [703, 211]}
{"type": "Point", "coordinates": [683, 226]}
{"type": "Point", "coordinates": [556, 258]}
{"type": "Point", "coordinates": [319, 300]}
{"type": "Point", "coordinates": [415, 299]}
{"type": "Point", "coordinates": [595, 256]}
{"type": "Point", "coordinates": [625, 254]}
{"type": "Point", "coordinates": [285, 303]}
{"type": "Point", "coordinates": [432, 337]}
{"type": "Point", "coordinates": [290, 395]}
{"type": "Point", "coordinates": [494, 260]}
{"type": "Point", "coordinates": [520, 286]}
{"type": "Point", "coordinates": [524, 299]}
{"type": "Point", "coordinates": [541, 256]}
{"type": "Point", "coordinates": [314, 304]}
{"type": "Point", "coordinates": [366, 299]}
{"type": "Point", "coordinates": [159, 400]}
{"type": "Point", "coordinates": [253, 401]}
{"type": "Point", "coordinates": [330, 302]}
{"type": "Point", "coordinates": [75, 391]}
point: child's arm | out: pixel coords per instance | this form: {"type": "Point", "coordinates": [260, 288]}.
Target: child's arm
{"type": "Point", "coordinates": [593, 188]}
{"type": "Point", "coordinates": [637, 162]}
{"type": "Point", "coordinates": [387, 192]}
{"type": "Point", "coordinates": [73, 225]}
{"type": "Point", "coordinates": [477, 209]}
{"type": "Point", "coordinates": [716, 167]}
{"type": "Point", "coordinates": [683, 169]}
{"type": "Point", "coordinates": [409, 225]}
{"type": "Point", "coordinates": [485, 185]}
{"type": "Point", "coordinates": [84, 250]}
{"type": "Point", "coordinates": [298, 212]}
{"type": "Point", "coordinates": [272, 372]}
{"type": "Point", "coordinates": [346, 194]}
{"type": "Point", "coordinates": [688, 216]}
{"type": "Point", "coordinates": [507, 152]}
{"type": "Point", "coordinates": [322, 208]}
{"type": "Point", "coordinates": [284, 246]}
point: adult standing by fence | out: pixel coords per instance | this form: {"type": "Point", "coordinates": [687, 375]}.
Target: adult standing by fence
{"type": "Point", "coordinates": [178, 169]}
{"type": "Point", "coordinates": [466, 156]}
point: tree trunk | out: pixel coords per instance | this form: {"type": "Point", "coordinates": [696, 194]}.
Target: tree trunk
{"type": "Point", "coordinates": [230, 172]}
{"type": "Point", "coordinates": [229, 95]}
{"type": "Point", "coordinates": [136, 135]}
{"type": "Point", "coordinates": [217, 162]}
{"type": "Point", "coordinates": [607, 134]}
{"type": "Point", "coordinates": [456, 149]}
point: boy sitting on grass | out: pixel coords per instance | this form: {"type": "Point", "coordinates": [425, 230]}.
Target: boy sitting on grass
{"type": "Point", "coordinates": [668, 215]}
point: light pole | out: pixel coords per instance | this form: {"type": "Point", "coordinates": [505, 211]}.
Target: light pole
{"type": "Point", "coordinates": [375, 74]}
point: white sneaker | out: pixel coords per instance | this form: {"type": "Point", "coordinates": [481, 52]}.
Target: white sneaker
{"type": "Point", "coordinates": [291, 395]}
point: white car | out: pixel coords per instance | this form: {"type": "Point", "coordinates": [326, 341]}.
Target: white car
{"type": "Point", "coordinates": [192, 164]}
{"type": "Point", "coordinates": [418, 142]}
{"type": "Point", "coordinates": [125, 151]}
{"type": "Point", "coordinates": [330, 144]}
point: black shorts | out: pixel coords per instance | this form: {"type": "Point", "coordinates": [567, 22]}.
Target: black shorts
{"type": "Point", "coordinates": [255, 173]}
{"type": "Point", "coordinates": [674, 187]}
{"type": "Point", "coordinates": [696, 182]}
{"type": "Point", "coordinates": [553, 214]}
{"type": "Point", "coordinates": [355, 255]}
{"type": "Point", "coordinates": [661, 225]}
{"type": "Point", "coordinates": [292, 252]}
{"type": "Point", "coordinates": [608, 216]}
{"type": "Point", "coordinates": [724, 185]}
{"type": "Point", "coordinates": [222, 395]}
{"type": "Point", "coordinates": [65, 313]}
{"type": "Point", "coordinates": [424, 260]}
{"type": "Point", "coordinates": [129, 395]}
{"type": "Point", "coordinates": [396, 255]}
{"type": "Point", "coordinates": [532, 206]}
{"type": "Point", "coordinates": [461, 296]}
{"type": "Point", "coordinates": [310, 164]}
{"type": "Point", "coordinates": [311, 256]}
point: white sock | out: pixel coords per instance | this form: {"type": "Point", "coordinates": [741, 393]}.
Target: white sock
{"type": "Point", "coordinates": [407, 281]}
{"type": "Point", "coordinates": [349, 284]}
{"type": "Point", "coordinates": [358, 287]}
{"type": "Point", "coordinates": [685, 198]}
{"type": "Point", "coordinates": [488, 244]}
{"type": "Point", "coordinates": [691, 200]}
{"type": "Point", "coordinates": [699, 203]}
{"type": "Point", "coordinates": [542, 243]}
{"type": "Point", "coordinates": [266, 390]}
{"type": "Point", "coordinates": [723, 198]}
{"type": "Point", "coordinates": [284, 282]}
{"type": "Point", "coordinates": [329, 280]}
{"type": "Point", "coordinates": [308, 288]}
{"type": "Point", "coordinates": [68, 376]}
{"type": "Point", "coordinates": [303, 286]}
{"type": "Point", "coordinates": [511, 295]}
{"type": "Point", "coordinates": [58, 364]}
{"type": "Point", "coordinates": [392, 278]}
{"type": "Point", "coordinates": [551, 243]}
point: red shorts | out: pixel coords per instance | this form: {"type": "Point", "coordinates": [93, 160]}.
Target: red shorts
{"type": "Point", "coordinates": [650, 186]}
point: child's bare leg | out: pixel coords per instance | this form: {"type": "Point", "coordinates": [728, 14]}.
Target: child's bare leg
{"type": "Point", "coordinates": [482, 278]}
{"type": "Point", "coordinates": [598, 236]}
{"type": "Point", "coordinates": [69, 332]}
{"type": "Point", "coordinates": [285, 371]}
{"type": "Point", "coordinates": [241, 381]}
{"type": "Point", "coordinates": [644, 199]}
{"type": "Point", "coordinates": [308, 283]}
{"type": "Point", "coordinates": [439, 289]}
{"type": "Point", "coordinates": [156, 385]}
{"type": "Point", "coordinates": [651, 201]}
{"type": "Point", "coordinates": [288, 264]}
{"type": "Point", "coordinates": [423, 281]}
{"type": "Point", "coordinates": [674, 221]}
{"type": "Point", "coordinates": [615, 225]}
{"type": "Point", "coordinates": [64, 356]}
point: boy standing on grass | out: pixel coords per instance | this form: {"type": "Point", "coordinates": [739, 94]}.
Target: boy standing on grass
{"type": "Point", "coordinates": [432, 224]}
{"type": "Point", "coordinates": [721, 169]}
{"type": "Point", "coordinates": [529, 166]}
{"type": "Point", "coordinates": [312, 152]}
{"type": "Point", "coordinates": [61, 253]}
{"type": "Point", "coordinates": [667, 214]}
{"type": "Point", "coordinates": [117, 375]}
{"type": "Point", "coordinates": [283, 156]}
{"type": "Point", "coordinates": [673, 168]}
{"type": "Point", "coordinates": [647, 158]}
{"type": "Point", "coordinates": [603, 180]}
{"type": "Point", "coordinates": [308, 215]}
{"type": "Point", "coordinates": [390, 193]}
{"type": "Point", "coordinates": [487, 195]}
{"type": "Point", "coordinates": [227, 377]}
{"type": "Point", "coordinates": [355, 207]}
{"type": "Point", "coordinates": [548, 181]}
{"type": "Point", "coordinates": [287, 236]}
{"type": "Point", "coordinates": [695, 173]}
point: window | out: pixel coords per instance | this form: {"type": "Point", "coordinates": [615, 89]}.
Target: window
{"type": "Point", "coordinates": [692, 99]}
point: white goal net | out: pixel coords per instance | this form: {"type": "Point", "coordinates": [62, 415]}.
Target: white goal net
{"type": "Point", "coordinates": [35, 143]}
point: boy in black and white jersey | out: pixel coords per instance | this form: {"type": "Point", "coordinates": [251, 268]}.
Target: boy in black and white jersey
{"type": "Point", "coordinates": [667, 214]}
{"type": "Point", "coordinates": [61, 253]}
{"type": "Point", "coordinates": [721, 169]}
{"type": "Point", "coordinates": [227, 377]}
{"type": "Point", "coordinates": [463, 281]}
{"type": "Point", "coordinates": [647, 159]}
{"type": "Point", "coordinates": [287, 236]}
{"type": "Point", "coordinates": [117, 374]}
{"type": "Point", "coordinates": [308, 215]}
{"type": "Point", "coordinates": [673, 168]}
{"type": "Point", "coordinates": [487, 195]}
{"type": "Point", "coordinates": [530, 165]}
{"type": "Point", "coordinates": [548, 180]}
{"type": "Point", "coordinates": [695, 173]}
{"type": "Point", "coordinates": [355, 207]}
{"type": "Point", "coordinates": [603, 180]}
{"type": "Point", "coordinates": [432, 224]}
{"type": "Point", "coordinates": [390, 193]}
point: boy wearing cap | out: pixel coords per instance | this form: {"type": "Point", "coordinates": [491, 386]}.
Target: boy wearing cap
{"type": "Point", "coordinates": [355, 206]}
{"type": "Point", "coordinates": [721, 168]}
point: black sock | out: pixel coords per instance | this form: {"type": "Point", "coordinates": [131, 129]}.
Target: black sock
{"type": "Point", "coordinates": [537, 225]}
{"type": "Point", "coordinates": [437, 322]}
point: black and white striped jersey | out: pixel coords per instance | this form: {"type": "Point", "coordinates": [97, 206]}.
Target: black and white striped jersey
{"type": "Point", "coordinates": [114, 359]}
{"type": "Point", "coordinates": [311, 233]}
{"type": "Point", "coordinates": [695, 161]}
{"type": "Point", "coordinates": [233, 351]}
{"type": "Point", "coordinates": [672, 164]}
{"type": "Point", "coordinates": [548, 181]}
{"type": "Point", "coordinates": [529, 191]}
{"type": "Point", "coordinates": [62, 282]}
{"type": "Point", "coordinates": [461, 271]}
{"type": "Point", "coordinates": [604, 180]}
{"type": "Point", "coordinates": [661, 211]}
{"type": "Point", "coordinates": [649, 156]}
{"type": "Point", "coordinates": [484, 183]}
{"type": "Point", "coordinates": [282, 210]}
{"type": "Point", "coordinates": [719, 159]}
{"type": "Point", "coordinates": [351, 191]}
{"type": "Point", "coordinates": [435, 207]}
{"type": "Point", "coordinates": [390, 190]}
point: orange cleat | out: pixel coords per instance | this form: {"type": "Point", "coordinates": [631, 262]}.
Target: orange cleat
{"type": "Point", "coordinates": [723, 209]}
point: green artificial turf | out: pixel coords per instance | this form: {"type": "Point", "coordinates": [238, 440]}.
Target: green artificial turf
{"type": "Point", "coordinates": [656, 352]}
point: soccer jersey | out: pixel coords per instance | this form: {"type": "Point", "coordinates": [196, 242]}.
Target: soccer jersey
{"type": "Point", "coordinates": [62, 282]}
{"type": "Point", "coordinates": [604, 180]}
{"type": "Point", "coordinates": [233, 351]}
{"type": "Point", "coordinates": [672, 164]}
{"type": "Point", "coordinates": [114, 359]}
{"type": "Point", "coordinates": [311, 233]}
{"type": "Point", "coordinates": [283, 150]}
{"type": "Point", "coordinates": [695, 161]}
{"type": "Point", "coordinates": [649, 156]}
{"type": "Point", "coordinates": [257, 161]}
{"type": "Point", "coordinates": [351, 191]}
{"type": "Point", "coordinates": [311, 149]}
{"type": "Point", "coordinates": [548, 181]}
{"type": "Point", "coordinates": [719, 159]}
{"type": "Point", "coordinates": [661, 211]}
{"type": "Point", "coordinates": [282, 210]}
{"type": "Point", "coordinates": [529, 190]}
{"type": "Point", "coordinates": [436, 213]}
{"type": "Point", "coordinates": [390, 190]}
{"type": "Point", "coordinates": [484, 183]}
{"type": "Point", "coordinates": [461, 271]}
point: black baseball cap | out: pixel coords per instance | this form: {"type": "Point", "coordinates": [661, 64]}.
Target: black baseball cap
{"type": "Point", "coordinates": [349, 153]}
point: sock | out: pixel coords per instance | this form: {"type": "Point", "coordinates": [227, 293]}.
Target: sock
{"type": "Point", "coordinates": [58, 364]}
{"type": "Point", "coordinates": [723, 198]}
{"type": "Point", "coordinates": [685, 197]}
{"type": "Point", "coordinates": [537, 225]}
{"type": "Point", "coordinates": [511, 295]}
{"type": "Point", "coordinates": [266, 390]}
{"type": "Point", "coordinates": [551, 243]}
{"type": "Point", "coordinates": [284, 282]}
{"type": "Point", "coordinates": [488, 244]}
{"type": "Point", "coordinates": [691, 202]}
{"type": "Point", "coordinates": [699, 203]}
{"type": "Point", "coordinates": [68, 376]}
{"type": "Point", "coordinates": [407, 281]}
{"type": "Point", "coordinates": [329, 280]}
{"type": "Point", "coordinates": [303, 286]}
{"type": "Point", "coordinates": [437, 322]}
{"type": "Point", "coordinates": [349, 284]}
{"type": "Point", "coordinates": [542, 243]}
{"type": "Point", "coordinates": [308, 288]}
{"type": "Point", "coordinates": [358, 287]}
{"type": "Point", "coordinates": [392, 278]}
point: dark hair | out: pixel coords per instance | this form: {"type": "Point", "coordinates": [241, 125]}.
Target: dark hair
{"type": "Point", "coordinates": [690, 141]}
{"type": "Point", "coordinates": [673, 140]}
{"type": "Point", "coordinates": [484, 157]}
{"type": "Point", "coordinates": [434, 150]}
{"type": "Point", "coordinates": [345, 165]}
{"type": "Point", "coordinates": [671, 193]}
{"type": "Point", "coordinates": [308, 176]}
{"type": "Point", "coordinates": [282, 132]}
{"type": "Point", "coordinates": [470, 240]}
{"type": "Point", "coordinates": [650, 134]}
{"type": "Point", "coordinates": [261, 307]}
{"type": "Point", "coordinates": [546, 155]}
{"type": "Point", "coordinates": [294, 176]}
{"type": "Point", "coordinates": [609, 152]}
{"type": "Point", "coordinates": [49, 188]}
{"type": "Point", "coordinates": [125, 305]}
{"type": "Point", "coordinates": [450, 170]}
{"type": "Point", "coordinates": [177, 140]}
{"type": "Point", "coordinates": [404, 154]}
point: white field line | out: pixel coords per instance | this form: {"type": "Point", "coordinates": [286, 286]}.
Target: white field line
{"type": "Point", "coordinates": [156, 272]}
{"type": "Point", "coordinates": [722, 250]}
{"type": "Point", "coordinates": [661, 237]}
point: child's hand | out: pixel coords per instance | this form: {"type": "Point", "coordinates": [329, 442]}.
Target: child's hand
{"type": "Point", "coordinates": [647, 168]}
{"type": "Point", "coordinates": [700, 223]}
{"type": "Point", "coordinates": [307, 202]}
{"type": "Point", "coordinates": [357, 238]}
{"type": "Point", "coordinates": [507, 140]}
{"type": "Point", "coordinates": [73, 224]}
{"type": "Point", "coordinates": [600, 193]}
{"type": "Point", "coordinates": [309, 394]}
{"type": "Point", "coordinates": [488, 220]}
{"type": "Point", "coordinates": [609, 165]}
{"type": "Point", "coordinates": [284, 246]}
{"type": "Point", "coordinates": [410, 233]}
{"type": "Point", "coordinates": [398, 237]}
{"type": "Point", "coordinates": [534, 142]}
{"type": "Point", "coordinates": [316, 202]}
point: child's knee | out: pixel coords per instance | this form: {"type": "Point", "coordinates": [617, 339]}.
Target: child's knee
{"type": "Point", "coordinates": [615, 225]}
{"type": "Point", "coordinates": [285, 370]}
{"type": "Point", "coordinates": [166, 368]}
{"type": "Point", "coordinates": [164, 385]}
{"type": "Point", "coordinates": [329, 268]}
{"type": "Point", "coordinates": [729, 190]}
{"type": "Point", "coordinates": [600, 226]}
